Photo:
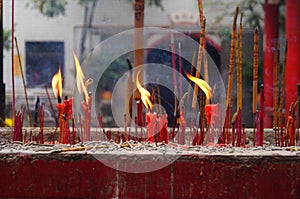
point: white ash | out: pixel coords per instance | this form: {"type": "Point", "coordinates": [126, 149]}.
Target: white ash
{"type": "Point", "coordinates": [133, 147]}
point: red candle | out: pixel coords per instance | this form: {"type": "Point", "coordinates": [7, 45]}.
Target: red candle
{"type": "Point", "coordinates": [163, 129]}
{"type": "Point", "coordinates": [57, 90]}
{"type": "Point", "coordinates": [60, 108]}
{"type": "Point", "coordinates": [211, 113]}
{"type": "Point", "coordinates": [67, 115]}
{"type": "Point", "coordinates": [151, 125]}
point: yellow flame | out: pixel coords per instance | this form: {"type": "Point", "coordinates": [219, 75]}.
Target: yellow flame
{"type": "Point", "coordinates": [203, 85]}
{"type": "Point", "coordinates": [57, 84]}
{"type": "Point", "coordinates": [145, 95]}
{"type": "Point", "coordinates": [80, 79]}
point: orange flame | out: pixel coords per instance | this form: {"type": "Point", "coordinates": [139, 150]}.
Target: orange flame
{"type": "Point", "coordinates": [80, 79]}
{"type": "Point", "coordinates": [57, 84]}
{"type": "Point", "coordinates": [203, 85]}
{"type": "Point", "coordinates": [145, 95]}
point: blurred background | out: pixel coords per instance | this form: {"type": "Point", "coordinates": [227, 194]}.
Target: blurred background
{"type": "Point", "coordinates": [48, 31]}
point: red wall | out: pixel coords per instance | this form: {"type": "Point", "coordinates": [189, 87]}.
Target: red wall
{"type": "Point", "coordinates": [59, 175]}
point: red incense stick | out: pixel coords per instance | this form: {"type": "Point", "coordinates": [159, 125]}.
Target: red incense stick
{"type": "Point", "coordinates": [41, 113]}
{"type": "Point", "coordinates": [173, 60]}
{"type": "Point", "coordinates": [260, 121]}
{"type": "Point", "coordinates": [12, 58]}
{"type": "Point", "coordinates": [180, 70]}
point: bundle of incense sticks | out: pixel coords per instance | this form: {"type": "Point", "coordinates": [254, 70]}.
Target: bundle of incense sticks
{"type": "Point", "coordinates": [281, 120]}
{"type": "Point", "coordinates": [104, 133]}
{"type": "Point", "coordinates": [17, 131]}
{"type": "Point", "coordinates": [291, 124]}
{"type": "Point", "coordinates": [228, 114]}
{"type": "Point", "coordinates": [23, 81]}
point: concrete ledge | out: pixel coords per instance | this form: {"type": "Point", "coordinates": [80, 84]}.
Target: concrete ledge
{"type": "Point", "coordinates": [74, 175]}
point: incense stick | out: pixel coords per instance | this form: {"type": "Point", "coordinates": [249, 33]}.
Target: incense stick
{"type": "Point", "coordinates": [158, 96]}
{"type": "Point", "coordinates": [51, 108]}
{"type": "Point", "coordinates": [282, 89]}
{"type": "Point", "coordinates": [255, 72]}
{"type": "Point", "coordinates": [275, 85]}
{"type": "Point", "coordinates": [180, 71]}
{"type": "Point", "coordinates": [237, 67]}
{"type": "Point", "coordinates": [199, 62]}
{"type": "Point", "coordinates": [12, 60]}
{"type": "Point", "coordinates": [254, 82]}
{"type": "Point", "coordinates": [207, 101]}
{"type": "Point", "coordinates": [128, 95]}
{"type": "Point", "coordinates": [23, 80]}
{"type": "Point", "coordinates": [138, 54]}
{"type": "Point", "coordinates": [241, 64]}
{"type": "Point", "coordinates": [200, 7]}
{"type": "Point", "coordinates": [231, 61]}
{"type": "Point", "coordinates": [191, 72]}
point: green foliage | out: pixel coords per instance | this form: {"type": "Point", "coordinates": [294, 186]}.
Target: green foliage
{"type": "Point", "coordinates": [6, 39]}
{"type": "Point", "coordinates": [54, 8]}
{"type": "Point", "coordinates": [157, 3]}
{"type": "Point", "coordinates": [49, 8]}
{"type": "Point", "coordinates": [85, 2]}
{"type": "Point", "coordinates": [252, 9]}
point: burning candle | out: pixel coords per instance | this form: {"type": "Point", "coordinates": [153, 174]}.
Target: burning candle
{"type": "Point", "coordinates": [211, 110]}
{"type": "Point", "coordinates": [57, 90]}
{"type": "Point", "coordinates": [68, 103]}
{"type": "Point", "coordinates": [150, 117]}
{"type": "Point", "coordinates": [87, 102]}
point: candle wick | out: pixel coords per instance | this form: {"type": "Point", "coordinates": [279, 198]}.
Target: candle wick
{"type": "Point", "coordinates": [59, 99]}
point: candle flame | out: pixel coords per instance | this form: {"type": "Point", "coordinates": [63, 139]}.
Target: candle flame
{"type": "Point", "coordinates": [57, 84]}
{"type": "Point", "coordinates": [145, 95]}
{"type": "Point", "coordinates": [81, 86]}
{"type": "Point", "coordinates": [203, 85]}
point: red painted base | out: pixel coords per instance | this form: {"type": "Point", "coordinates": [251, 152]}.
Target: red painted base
{"type": "Point", "coordinates": [82, 176]}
